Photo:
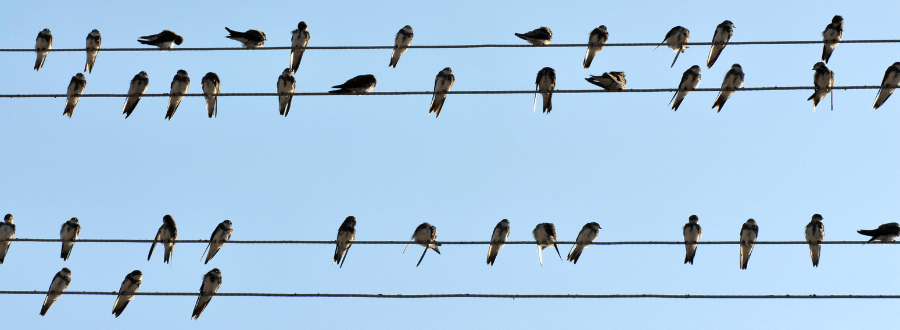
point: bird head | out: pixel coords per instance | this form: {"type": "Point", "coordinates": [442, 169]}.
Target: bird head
{"type": "Point", "coordinates": [301, 26]}
{"type": "Point", "coordinates": [817, 217]}
{"type": "Point", "coordinates": [694, 219]}
{"type": "Point", "coordinates": [8, 217]}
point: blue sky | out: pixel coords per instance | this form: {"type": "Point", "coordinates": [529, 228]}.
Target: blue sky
{"type": "Point", "coordinates": [623, 160]}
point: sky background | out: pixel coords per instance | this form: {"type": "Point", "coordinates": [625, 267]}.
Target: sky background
{"type": "Point", "coordinates": [623, 160]}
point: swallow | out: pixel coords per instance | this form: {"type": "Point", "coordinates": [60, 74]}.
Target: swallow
{"type": "Point", "coordinates": [734, 79]}
{"type": "Point", "coordinates": [286, 86]}
{"type": "Point", "coordinates": [73, 94]}
{"type": "Point", "coordinates": [749, 231]}
{"type": "Point", "coordinates": [831, 36]}
{"type": "Point", "coordinates": [823, 80]}
{"type": "Point", "coordinates": [42, 47]}
{"type": "Point", "coordinates": [689, 81]}
{"type": "Point", "coordinates": [68, 234]}
{"type": "Point", "coordinates": [677, 39]}
{"type": "Point", "coordinates": [538, 37]}
{"type": "Point", "coordinates": [885, 233]}
{"type": "Point", "coordinates": [251, 39]}
{"type": "Point", "coordinates": [815, 235]}
{"type": "Point", "coordinates": [217, 240]}
{"type": "Point", "coordinates": [164, 40]}
{"type": "Point", "coordinates": [890, 82]}
{"type": "Point", "coordinates": [611, 81]}
{"type": "Point", "coordinates": [346, 235]}
{"type": "Point", "coordinates": [719, 41]}
{"type": "Point", "coordinates": [544, 84]}
{"type": "Point", "coordinates": [596, 41]}
{"type": "Point", "coordinates": [586, 236]}
{"type": "Point", "coordinates": [358, 85]}
{"type": "Point", "coordinates": [166, 235]}
{"type": "Point", "coordinates": [211, 84]}
{"type": "Point", "coordinates": [299, 40]}
{"type": "Point", "coordinates": [135, 91]}
{"type": "Point", "coordinates": [93, 48]}
{"type": "Point", "coordinates": [126, 291]}
{"type": "Point", "coordinates": [443, 82]}
{"type": "Point", "coordinates": [424, 236]}
{"type": "Point", "coordinates": [211, 283]}
{"type": "Point", "coordinates": [59, 284]}
{"type": "Point", "coordinates": [7, 232]}
{"type": "Point", "coordinates": [498, 239]}
{"type": "Point", "coordinates": [545, 235]}
{"type": "Point", "coordinates": [179, 87]}
{"type": "Point", "coordinates": [692, 233]}
{"type": "Point", "coordinates": [401, 41]}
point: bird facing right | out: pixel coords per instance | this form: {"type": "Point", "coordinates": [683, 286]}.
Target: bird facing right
{"type": "Point", "coordinates": [537, 37]}
{"type": "Point", "coordinates": [42, 46]}
{"type": "Point", "coordinates": [7, 232]}
{"type": "Point", "coordinates": [890, 82]}
{"type": "Point", "coordinates": [690, 79]}
{"type": "Point", "coordinates": [424, 236]}
{"type": "Point", "coordinates": [734, 79]}
{"type": "Point", "coordinates": [299, 40]}
{"type": "Point", "coordinates": [92, 42]}
{"type": "Point", "coordinates": [179, 87]}
{"type": "Point", "coordinates": [68, 234]}
{"type": "Point", "coordinates": [217, 240]}
{"type": "Point", "coordinates": [345, 237]}
{"type": "Point", "coordinates": [749, 232]}
{"type": "Point", "coordinates": [73, 94]}
{"type": "Point", "coordinates": [831, 36]}
{"type": "Point", "coordinates": [401, 42]}
{"type": "Point", "coordinates": [135, 91]}
{"type": "Point", "coordinates": [720, 40]}
{"type": "Point", "coordinates": [166, 235]}
{"type": "Point", "coordinates": [596, 40]}
{"type": "Point", "coordinates": [677, 39]}
{"type": "Point", "coordinates": [585, 237]}
{"type": "Point", "coordinates": [211, 283]}
{"type": "Point", "coordinates": [443, 82]}
{"type": "Point", "coordinates": [126, 292]}
{"type": "Point", "coordinates": [498, 240]}
{"type": "Point", "coordinates": [59, 284]}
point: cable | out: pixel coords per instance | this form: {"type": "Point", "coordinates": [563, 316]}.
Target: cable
{"type": "Point", "coordinates": [474, 295]}
{"type": "Point", "coordinates": [440, 242]}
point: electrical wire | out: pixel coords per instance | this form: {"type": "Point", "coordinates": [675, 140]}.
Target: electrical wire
{"type": "Point", "coordinates": [475, 295]}
{"type": "Point", "coordinates": [203, 241]}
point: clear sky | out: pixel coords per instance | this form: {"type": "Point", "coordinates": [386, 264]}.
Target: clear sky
{"type": "Point", "coordinates": [623, 160]}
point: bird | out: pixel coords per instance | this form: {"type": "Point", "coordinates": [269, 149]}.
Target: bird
{"type": "Point", "coordinates": [299, 40]}
{"type": "Point", "coordinates": [73, 94]}
{"type": "Point", "coordinates": [890, 82]}
{"type": "Point", "coordinates": [720, 39]}
{"type": "Point", "coordinates": [443, 82]}
{"type": "Point", "coordinates": [734, 79]}
{"type": "Point", "coordinates": [345, 236]}
{"type": "Point", "coordinates": [126, 292]}
{"type": "Point", "coordinates": [251, 39]}
{"type": "Point", "coordinates": [286, 86]}
{"type": "Point", "coordinates": [7, 232]}
{"type": "Point", "coordinates": [677, 39]}
{"type": "Point", "coordinates": [166, 235]}
{"type": "Point", "coordinates": [211, 84]}
{"type": "Point", "coordinates": [211, 283]}
{"type": "Point", "coordinates": [59, 284]}
{"type": "Point", "coordinates": [93, 47]}
{"type": "Point", "coordinates": [815, 235]}
{"type": "Point", "coordinates": [611, 81]}
{"type": "Point", "coordinates": [42, 46]}
{"type": "Point", "coordinates": [358, 85]}
{"type": "Point", "coordinates": [538, 37]}
{"type": "Point", "coordinates": [68, 234]}
{"type": "Point", "coordinates": [596, 41]}
{"type": "Point", "coordinates": [544, 84]}
{"type": "Point", "coordinates": [179, 87]}
{"type": "Point", "coordinates": [545, 236]}
{"type": "Point", "coordinates": [586, 236]}
{"type": "Point", "coordinates": [401, 41]}
{"type": "Point", "coordinates": [823, 80]}
{"type": "Point", "coordinates": [424, 236]}
{"type": "Point", "coordinates": [135, 90]}
{"type": "Point", "coordinates": [217, 240]}
{"type": "Point", "coordinates": [164, 40]}
{"type": "Point", "coordinates": [749, 231]}
{"type": "Point", "coordinates": [689, 81]}
{"type": "Point", "coordinates": [831, 36]}
{"type": "Point", "coordinates": [498, 239]}
{"type": "Point", "coordinates": [885, 233]}
{"type": "Point", "coordinates": [692, 233]}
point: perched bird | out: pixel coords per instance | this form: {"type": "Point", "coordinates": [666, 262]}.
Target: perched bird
{"type": "Point", "coordinates": [211, 283]}
{"type": "Point", "coordinates": [538, 37]}
{"type": "Point", "coordinates": [401, 41]}
{"type": "Point", "coordinates": [677, 39]}
{"type": "Point", "coordinates": [498, 239]}
{"type": "Point", "coordinates": [443, 82]}
{"type": "Point", "coordinates": [126, 292]}
{"type": "Point", "coordinates": [586, 236]}
{"type": "Point", "coordinates": [815, 235]}
{"type": "Point", "coordinates": [358, 85]}
{"type": "Point", "coordinates": [545, 235]}
{"type": "Point", "coordinates": [346, 235]}
{"type": "Point", "coordinates": [166, 235]}
{"type": "Point", "coordinates": [692, 233]}
{"type": "Point", "coordinates": [299, 40]}
{"type": "Point", "coordinates": [885, 233]}
{"type": "Point", "coordinates": [179, 87]}
{"type": "Point", "coordinates": [890, 82]}
{"type": "Point", "coordinates": [286, 86]}
{"type": "Point", "coordinates": [73, 94]}
{"type": "Point", "coordinates": [93, 47]}
{"type": "Point", "coordinates": [831, 36]}
{"type": "Point", "coordinates": [749, 231]}
{"type": "Point", "coordinates": [689, 81]}
{"type": "Point", "coordinates": [823, 80]}
{"type": "Point", "coordinates": [734, 79]}
{"type": "Point", "coordinates": [211, 84]}
{"type": "Point", "coordinates": [164, 40]}
{"type": "Point", "coordinates": [68, 234]}
{"type": "Point", "coordinates": [251, 39]}
{"type": "Point", "coordinates": [7, 232]}
{"type": "Point", "coordinates": [424, 236]}
{"type": "Point", "coordinates": [42, 47]}
{"type": "Point", "coordinates": [544, 84]}
{"type": "Point", "coordinates": [611, 81]}
{"type": "Point", "coordinates": [719, 41]}
{"type": "Point", "coordinates": [135, 91]}
{"type": "Point", "coordinates": [217, 240]}
{"type": "Point", "coordinates": [59, 284]}
{"type": "Point", "coordinates": [596, 41]}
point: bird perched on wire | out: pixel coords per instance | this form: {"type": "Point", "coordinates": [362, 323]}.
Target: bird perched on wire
{"type": "Point", "coordinates": [443, 82]}
{"type": "Point", "coordinates": [677, 39]}
{"type": "Point", "coordinates": [286, 86]}
{"type": "Point", "coordinates": [299, 40]}
{"type": "Point", "coordinates": [126, 292]}
{"type": "Point", "coordinates": [692, 233]}
{"type": "Point", "coordinates": [68, 234]}
{"type": "Point", "coordinates": [815, 235]}
{"type": "Point", "coordinates": [166, 235]}
{"type": "Point", "coordinates": [346, 235]}
{"type": "Point", "coordinates": [498, 240]}
{"type": "Point", "coordinates": [7, 232]}
{"type": "Point", "coordinates": [93, 48]}
{"type": "Point", "coordinates": [217, 240]}
{"type": "Point", "coordinates": [720, 39]}
{"type": "Point", "coordinates": [73, 93]}
{"type": "Point", "coordinates": [611, 81]}
{"type": "Point", "coordinates": [424, 236]}
{"type": "Point", "coordinates": [251, 39]}
{"type": "Point", "coordinates": [59, 284]}
{"type": "Point", "coordinates": [135, 91]}
{"type": "Point", "coordinates": [734, 79]}
{"type": "Point", "coordinates": [164, 40]}
{"type": "Point", "coordinates": [823, 80]}
{"type": "Point", "coordinates": [586, 236]}
{"type": "Point", "coordinates": [890, 82]}
{"type": "Point", "coordinates": [831, 36]}
{"type": "Point", "coordinates": [690, 79]}
{"type": "Point", "coordinates": [211, 283]}
{"type": "Point", "coordinates": [401, 41]}
{"type": "Point", "coordinates": [538, 37]}
{"type": "Point", "coordinates": [885, 233]}
{"type": "Point", "coordinates": [545, 84]}
{"type": "Point", "coordinates": [596, 40]}
{"type": "Point", "coordinates": [211, 84]}
{"type": "Point", "coordinates": [545, 236]}
{"type": "Point", "coordinates": [358, 85]}
{"type": "Point", "coordinates": [180, 84]}
{"type": "Point", "coordinates": [42, 46]}
{"type": "Point", "coordinates": [749, 232]}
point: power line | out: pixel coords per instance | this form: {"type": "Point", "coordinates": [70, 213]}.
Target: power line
{"type": "Point", "coordinates": [474, 295]}
{"type": "Point", "coordinates": [203, 241]}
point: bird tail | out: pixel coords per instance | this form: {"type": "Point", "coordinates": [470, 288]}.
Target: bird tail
{"type": "Point", "coordinates": [337, 253]}
{"type": "Point", "coordinates": [557, 251]}
{"type": "Point", "coordinates": [868, 232]}
{"type": "Point", "coordinates": [211, 105]}
{"type": "Point", "coordinates": [588, 58]}
{"type": "Point", "coordinates": [548, 105]}
{"type": "Point", "coordinates": [720, 102]}
{"type": "Point", "coordinates": [492, 254]}
{"type": "Point", "coordinates": [437, 103]}
{"type": "Point", "coordinates": [676, 58]}
{"type": "Point", "coordinates": [39, 62]}
{"type": "Point", "coordinates": [346, 252]}
{"type": "Point", "coordinates": [690, 252]}
{"type": "Point", "coordinates": [422, 257]}
{"type": "Point", "coordinates": [48, 301]}
{"type": "Point", "coordinates": [745, 255]}
{"type": "Point", "coordinates": [814, 251]}
{"type": "Point", "coordinates": [714, 52]}
{"type": "Point", "coordinates": [677, 103]}
{"type": "Point", "coordinates": [70, 109]}
{"type": "Point", "coordinates": [575, 253]}
{"type": "Point", "coordinates": [826, 52]}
